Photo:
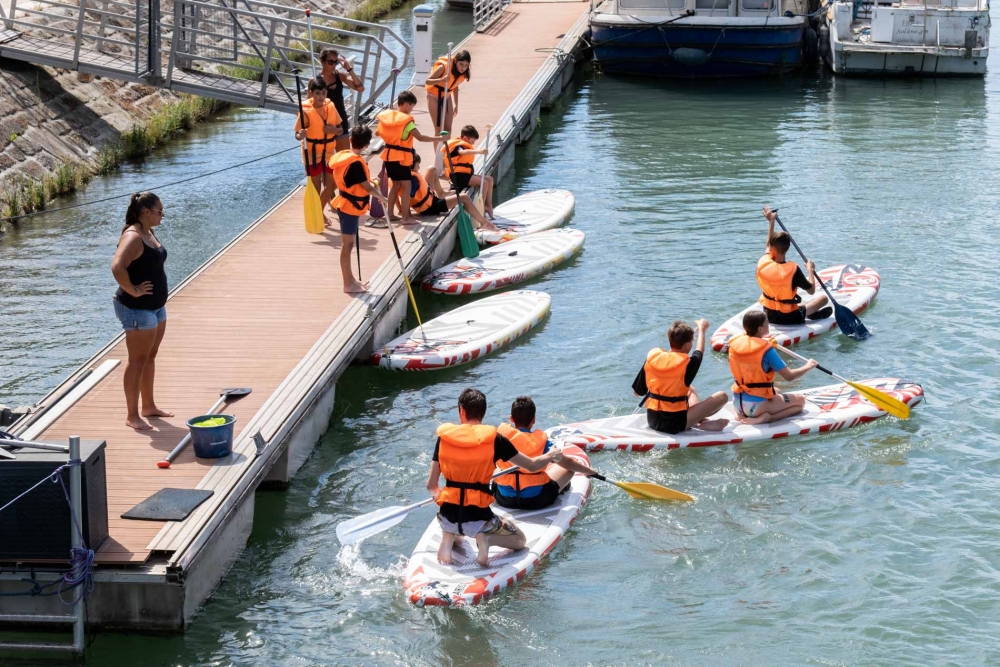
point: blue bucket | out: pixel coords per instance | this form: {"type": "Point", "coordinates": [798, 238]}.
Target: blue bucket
{"type": "Point", "coordinates": [212, 442]}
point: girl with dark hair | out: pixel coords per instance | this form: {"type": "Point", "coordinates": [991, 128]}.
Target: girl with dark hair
{"type": "Point", "coordinates": [336, 80]}
{"type": "Point", "coordinates": [140, 303]}
{"type": "Point", "coordinates": [442, 89]}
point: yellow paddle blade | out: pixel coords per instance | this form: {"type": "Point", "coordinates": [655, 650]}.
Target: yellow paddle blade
{"type": "Point", "coordinates": [893, 406]}
{"type": "Point", "coordinates": [313, 209]}
{"type": "Point", "coordinates": [413, 301]}
{"type": "Point", "coordinates": [479, 202]}
{"type": "Point", "coordinates": [651, 491]}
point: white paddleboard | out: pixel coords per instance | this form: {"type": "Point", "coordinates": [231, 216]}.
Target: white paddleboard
{"type": "Point", "coordinates": [829, 408]}
{"type": "Point", "coordinates": [465, 582]}
{"type": "Point", "coordinates": [506, 264]}
{"type": "Point", "coordinates": [852, 285]}
{"type": "Point", "coordinates": [529, 213]}
{"type": "Point", "coordinates": [466, 333]}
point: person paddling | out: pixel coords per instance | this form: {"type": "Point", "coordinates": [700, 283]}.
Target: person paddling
{"type": "Point", "coordinates": [665, 379]}
{"type": "Point", "coordinates": [458, 168]}
{"type": "Point", "coordinates": [322, 127]}
{"type": "Point", "coordinates": [753, 361]}
{"type": "Point", "coordinates": [398, 130]}
{"type": "Point", "coordinates": [427, 197]}
{"type": "Point", "coordinates": [466, 454]}
{"type": "Point", "coordinates": [354, 193]}
{"type": "Point", "coordinates": [336, 80]}
{"type": "Point", "coordinates": [780, 280]}
{"type": "Point", "coordinates": [442, 90]}
{"type": "Point", "coordinates": [531, 490]}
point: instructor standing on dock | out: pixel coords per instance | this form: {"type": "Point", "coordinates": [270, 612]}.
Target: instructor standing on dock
{"type": "Point", "coordinates": [140, 303]}
{"type": "Point", "coordinates": [335, 82]}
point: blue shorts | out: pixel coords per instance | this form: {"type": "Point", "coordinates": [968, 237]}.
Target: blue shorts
{"type": "Point", "coordinates": [348, 223]}
{"type": "Point", "coordinates": [747, 405]}
{"type": "Point", "coordinates": [133, 319]}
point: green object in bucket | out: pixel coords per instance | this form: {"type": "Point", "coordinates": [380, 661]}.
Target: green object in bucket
{"type": "Point", "coordinates": [214, 421]}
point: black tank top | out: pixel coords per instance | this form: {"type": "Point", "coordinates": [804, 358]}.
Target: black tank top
{"type": "Point", "coordinates": [335, 93]}
{"type": "Point", "coordinates": [147, 266]}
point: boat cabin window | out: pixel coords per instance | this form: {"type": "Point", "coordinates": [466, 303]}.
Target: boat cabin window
{"type": "Point", "coordinates": [653, 4]}
{"type": "Point", "coordinates": [757, 5]}
{"type": "Point", "coordinates": [715, 6]}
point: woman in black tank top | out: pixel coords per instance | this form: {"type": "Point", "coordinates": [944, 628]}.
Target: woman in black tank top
{"type": "Point", "coordinates": [335, 83]}
{"type": "Point", "coordinates": [140, 303]}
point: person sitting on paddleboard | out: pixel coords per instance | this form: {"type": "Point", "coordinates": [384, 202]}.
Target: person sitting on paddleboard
{"type": "Point", "coordinates": [753, 362]}
{"type": "Point", "coordinates": [427, 197]}
{"type": "Point", "coordinates": [780, 280]}
{"type": "Point", "coordinates": [529, 490]}
{"type": "Point", "coordinates": [664, 382]}
{"type": "Point", "coordinates": [466, 454]}
{"type": "Point", "coordinates": [322, 127]}
{"type": "Point", "coordinates": [458, 169]}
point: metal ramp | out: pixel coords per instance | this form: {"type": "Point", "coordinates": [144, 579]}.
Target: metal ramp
{"type": "Point", "coordinates": [240, 51]}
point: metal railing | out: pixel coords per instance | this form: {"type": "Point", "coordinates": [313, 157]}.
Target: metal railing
{"type": "Point", "coordinates": [485, 11]}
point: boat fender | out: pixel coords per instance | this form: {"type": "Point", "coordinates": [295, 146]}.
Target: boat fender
{"type": "Point", "coordinates": [689, 56]}
{"type": "Point", "coordinates": [811, 45]}
{"type": "Point", "coordinates": [824, 38]}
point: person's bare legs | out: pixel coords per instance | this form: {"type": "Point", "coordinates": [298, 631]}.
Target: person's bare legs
{"type": "Point", "coordinates": [776, 408]}
{"type": "Point", "coordinates": [484, 542]}
{"type": "Point", "coordinates": [816, 304]}
{"type": "Point", "coordinates": [404, 204]}
{"type": "Point", "coordinates": [138, 343]}
{"type": "Point", "coordinates": [470, 208]}
{"type": "Point", "coordinates": [326, 194]}
{"type": "Point", "coordinates": [432, 109]}
{"type": "Point", "coordinates": [449, 115]}
{"type": "Point", "coordinates": [488, 196]}
{"type": "Point", "coordinates": [351, 286]}
{"type": "Point", "coordinates": [444, 549]}
{"type": "Point", "coordinates": [434, 183]}
{"type": "Point", "coordinates": [393, 201]}
{"type": "Point", "coordinates": [699, 411]}
{"type": "Point", "coordinates": [149, 408]}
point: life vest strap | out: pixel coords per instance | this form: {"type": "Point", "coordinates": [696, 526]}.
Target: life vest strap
{"type": "Point", "coordinates": [331, 140]}
{"type": "Point", "coordinates": [402, 149]}
{"type": "Point", "coordinates": [796, 300]}
{"type": "Point", "coordinates": [668, 399]}
{"type": "Point", "coordinates": [420, 202]}
{"type": "Point", "coordinates": [758, 385]}
{"type": "Point", "coordinates": [360, 202]}
{"type": "Point", "coordinates": [470, 486]}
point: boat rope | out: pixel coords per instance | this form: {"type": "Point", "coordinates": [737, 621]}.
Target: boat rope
{"type": "Point", "coordinates": [154, 188]}
{"type": "Point", "coordinates": [81, 559]}
{"type": "Point", "coordinates": [649, 26]}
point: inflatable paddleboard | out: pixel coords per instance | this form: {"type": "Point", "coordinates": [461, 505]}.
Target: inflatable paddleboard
{"type": "Point", "coordinates": [465, 334]}
{"type": "Point", "coordinates": [829, 408]}
{"type": "Point", "coordinates": [464, 582]}
{"type": "Point", "coordinates": [852, 285]}
{"type": "Point", "coordinates": [506, 264]}
{"type": "Point", "coordinates": [529, 213]}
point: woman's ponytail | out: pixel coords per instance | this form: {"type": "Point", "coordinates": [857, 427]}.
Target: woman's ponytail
{"type": "Point", "coordinates": [136, 205]}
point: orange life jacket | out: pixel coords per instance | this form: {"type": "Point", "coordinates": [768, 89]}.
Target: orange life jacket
{"type": "Point", "coordinates": [465, 455]}
{"type": "Point", "coordinates": [391, 124]}
{"type": "Point", "coordinates": [317, 139]}
{"type": "Point", "coordinates": [775, 282]}
{"type": "Point", "coordinates": [530, 444]}
{"type": "Point", "coordinates": [454, 80]}
{"type": "Point", "coordinates": [745, 356]}
{"type": "Point", "coordinates": [460, 164]}
{"type": "Point", "coordinates": [665, 386]}
{"type": "Point", "coordinates": [423, 198]}
{"type": "Point", "coordinates": [352, 200]}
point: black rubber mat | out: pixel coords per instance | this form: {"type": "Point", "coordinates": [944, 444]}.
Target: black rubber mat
{"type": "Point", "coordinates": [168, 505]}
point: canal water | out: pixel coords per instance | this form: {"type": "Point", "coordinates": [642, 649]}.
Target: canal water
{"type": "Point", "coordinates": [878, 545]}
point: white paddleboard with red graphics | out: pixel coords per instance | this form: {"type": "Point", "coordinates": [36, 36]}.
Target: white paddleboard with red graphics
{"type": "Point", "coordinates": [829, 408]}
{"type": "Point", "coordinates": [465, 334]}
{"type": "Point", "coordinates": [507, 264]}
{"type": "Point", "coordinates": [465, 582]}
{"type": "Point", "coordinates": [529, 213]}
{"type": "Point", "coordinates": [852, 285]}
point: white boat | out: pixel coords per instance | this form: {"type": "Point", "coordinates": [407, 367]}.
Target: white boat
{"type": "Point", "coordinates": [907, 38]}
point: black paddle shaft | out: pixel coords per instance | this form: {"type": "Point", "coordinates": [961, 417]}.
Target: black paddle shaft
{"type": "Point", "coordinates": [302, 121]}
{"type": "Point", "coordinates": [805, 259]}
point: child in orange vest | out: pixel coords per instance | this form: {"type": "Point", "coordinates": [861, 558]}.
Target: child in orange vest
{"type": "Point", "coordinates": [322, 127]}
{"type": "Point", "coordinates": [398, 130]}
{"type": "Point", "coordinates": [780, 280]}
{"type": "Point", "coordinates": [459, 155]}
{"type": "Point", "coordinates": [427, 197]}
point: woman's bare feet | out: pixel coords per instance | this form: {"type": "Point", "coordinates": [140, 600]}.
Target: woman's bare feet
{"type": "Point", "coordinates": [356, 288]}
{"type": "Point", "coordinates": [752, 421]}
{"type": "Point", "coordinates": [409, 221]}
{"type": "Point", "coordinates": [713, 424]}
{"type": "Point", "coordinates": [483, 542]}
{"type": "Point", "coordinates": [137, 423]}
{"type": "Point", "coordinates": [156, 412]}
{"type": "Point", "coordinates": [444, 550]}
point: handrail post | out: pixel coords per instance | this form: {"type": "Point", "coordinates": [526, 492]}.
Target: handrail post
{"type": "Point", "coordinates": [79, 34]}
{"type": "Point", "coordinates": [155, 65]}
{"type": "Point", "coordinates": [364, 73]}
{"type": "Point", "coordinates": [267, 64]}
{"type": "Point", "coordinates": [76, 537]}
{"type": "Point", "coordinates": [13, 10]}
{"type": "Point", "coordinates": [172, 61]}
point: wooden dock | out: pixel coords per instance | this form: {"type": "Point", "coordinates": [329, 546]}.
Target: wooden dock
{"type": "Point", "coordinates": [269, 312]}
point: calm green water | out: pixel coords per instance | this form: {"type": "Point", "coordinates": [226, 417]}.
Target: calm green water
{"type": "Point", "coordinates": [876, 546]}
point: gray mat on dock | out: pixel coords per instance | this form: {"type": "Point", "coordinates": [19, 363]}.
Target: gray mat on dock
{"type": "Point", "coordinates": [168, 505]}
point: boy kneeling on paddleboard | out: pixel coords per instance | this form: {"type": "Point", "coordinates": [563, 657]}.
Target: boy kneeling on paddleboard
{"type": "Point", "coordinates": [780, 280]}
{"type": "Point", "coordinates": [664, 382]}
{"type": "Point", "coordinates": [428, 198]}
{"type": "Point", "coordinates": [466, 454]}
{"type": "Point", "coordinates": [753, 362]}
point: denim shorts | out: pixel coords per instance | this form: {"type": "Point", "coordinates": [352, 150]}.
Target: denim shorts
{"type": "Point", "coordinates": [133, 319]}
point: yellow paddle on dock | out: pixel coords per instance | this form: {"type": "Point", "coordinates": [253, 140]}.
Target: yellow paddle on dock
{"type": "Point", "coordinates": [311, 204]}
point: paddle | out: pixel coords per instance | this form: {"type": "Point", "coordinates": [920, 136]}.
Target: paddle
{"type": "Point", "coordinates": [402, 269]}
{"type": "Point", "coordinates": [311, 203]}
{"type": "Point", "coordinates": [226, 395]}
{"type": "Point", "coordinates": [466, 235]}
{"type": "Point", "coordinates": [846, 319]}
{"type": "Point", "coordinates": [893, 406]}
{"type": "Point", "coordinates": [646, 490]}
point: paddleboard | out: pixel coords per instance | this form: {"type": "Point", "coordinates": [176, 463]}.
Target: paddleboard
{"type": "Point", "coordinates": [852, 285]}
{"type": "Point", "coordinates": [506, 264]}
{"type": "Point", "coordinates": [529, 213]}
{"type": "Point", "coordinates": [465, 582]}
{"type": "Point", "coordinates": [466, 333]}
{"type": "Point", "coordinates": [829, 408]}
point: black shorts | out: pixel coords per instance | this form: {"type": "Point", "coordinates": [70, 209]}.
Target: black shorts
{"type": "Point", "coordinates": [438, 207]}
{"type": "Point", "coordinates": [461, 181]}
{"type": "Point", "coordinates": [794, 317]}
{"type": "Point", "coordinates": [667, 422]}
{"type": "Point", "coordinates": [397, 172]}
{"type": "Point", "coordinates": [550, 494]}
